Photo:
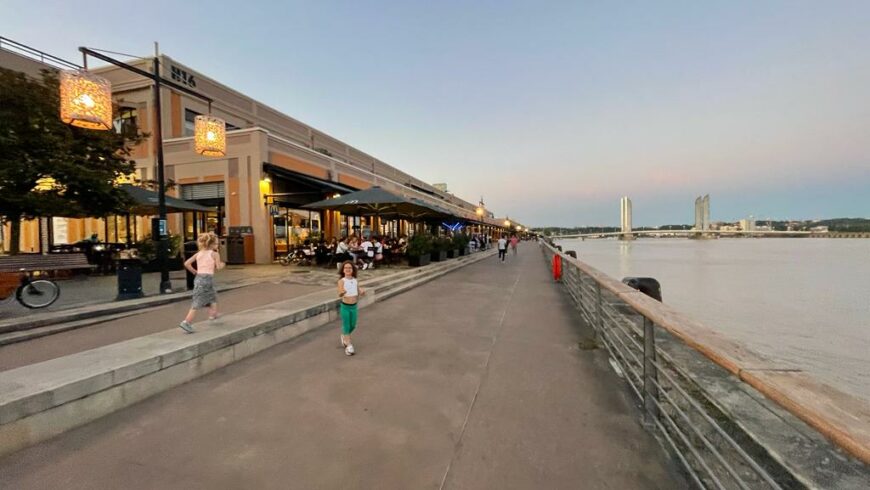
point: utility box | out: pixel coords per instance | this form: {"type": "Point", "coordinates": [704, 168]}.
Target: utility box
{"type": "Point", "coordinates": [240, 245]}
{"type": "Point", "coordinates": [129, 279]}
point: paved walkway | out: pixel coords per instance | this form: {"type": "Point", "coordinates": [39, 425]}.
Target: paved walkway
{"type": "Point", "coordinates": [95, 289]}
{"type": "Point", "coordinates": [472, 381]}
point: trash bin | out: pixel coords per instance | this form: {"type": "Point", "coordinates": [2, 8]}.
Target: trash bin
{"type": "Point", "coordinates": [240, 245]}
{"type": "Point", "coordinates": [646, 285]}
{"type": "Point", "coordinates": [129, 279]}
{"type": "Point", "coordinates": [190, 249]}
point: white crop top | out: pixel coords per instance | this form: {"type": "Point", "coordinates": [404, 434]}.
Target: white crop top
{"type": "Point", "coordinates": [351, 287]}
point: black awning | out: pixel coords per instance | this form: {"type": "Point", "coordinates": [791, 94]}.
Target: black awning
{"type": "Point", "coordinates": [146, 202]}
{"type": "Point", "coordinates": [306, 180]}
{"type": "Point", "coordinates": [376, 201]}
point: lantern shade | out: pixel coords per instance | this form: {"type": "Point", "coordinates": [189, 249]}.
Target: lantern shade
{"type": "Point", "coordinates": [85, 100]}
{"type": "Point", "coordinates": [210, 136]}
{"type": "Point", "coordinates": [45, 184]}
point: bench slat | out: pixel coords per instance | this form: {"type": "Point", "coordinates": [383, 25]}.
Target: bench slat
{"type": "Point", "coordinates": [30, 263]}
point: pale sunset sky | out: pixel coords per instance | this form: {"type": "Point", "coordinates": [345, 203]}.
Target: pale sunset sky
{"type": "Point", "coordinates": [550, 110]}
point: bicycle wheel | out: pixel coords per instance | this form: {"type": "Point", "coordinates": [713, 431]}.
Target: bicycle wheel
{"type": "Point", "coordinates": [38, 294]}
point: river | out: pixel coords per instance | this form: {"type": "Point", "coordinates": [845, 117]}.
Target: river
{"type": "Point", "coordinates": [805, 301]}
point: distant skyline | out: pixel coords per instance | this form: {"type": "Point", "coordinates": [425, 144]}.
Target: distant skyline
{"type": "Point", "coordinates": [551, 111]}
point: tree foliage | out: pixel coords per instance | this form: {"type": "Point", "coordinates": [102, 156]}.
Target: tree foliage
{"type": "Point", "coordinates": [35, 144]}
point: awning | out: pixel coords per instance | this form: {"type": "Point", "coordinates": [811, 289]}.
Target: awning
{"type": "Point", "coordinates": [146, 202]}
{"type": "Point", "coordinates": [306, 180]}
{"type": "Point", "coordinates": [376, 201]}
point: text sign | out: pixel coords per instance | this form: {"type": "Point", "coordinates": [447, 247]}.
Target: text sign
{"type": "Point", "coordinates": [181, 76]}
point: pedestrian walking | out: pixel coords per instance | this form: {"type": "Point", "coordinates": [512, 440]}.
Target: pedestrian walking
{"type": "Point", "coordinates": [502, 248]}
{"type": "Point", "coordinates": [349, 291]}
{"type": "Point", "coordinates": [207, 260]}
{"type": "Point", "coordinates": [514, 241]}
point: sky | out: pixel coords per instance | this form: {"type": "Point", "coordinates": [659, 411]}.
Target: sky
{"type": "Point", "coordinates": [549, 110]}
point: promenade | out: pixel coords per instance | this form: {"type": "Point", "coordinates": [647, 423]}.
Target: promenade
{"type": "Point", "coordinates": [473, 381]}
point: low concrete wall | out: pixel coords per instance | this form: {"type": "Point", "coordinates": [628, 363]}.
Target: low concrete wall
{"type": "Point", "coordinates": [43, 400]}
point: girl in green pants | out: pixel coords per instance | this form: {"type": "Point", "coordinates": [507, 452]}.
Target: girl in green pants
{"type": "Point", "coordinates": [349, 292]}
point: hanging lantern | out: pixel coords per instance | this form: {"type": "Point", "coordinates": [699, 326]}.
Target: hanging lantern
{"type": "Point", "coordinates": [125, 179]}
{"type": "Point", "coordinates": [45, 184]}
{"type": "Point", "coordinates": [210, 136]}
{"type": "Point", "coordinates": [85, 100]}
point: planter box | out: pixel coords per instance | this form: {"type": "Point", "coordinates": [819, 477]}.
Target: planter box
{"type": "Point", "coordinates": [463, 251]}
{"type": "Point", "coordinates": [418, 260]}
{"type": "Point", "coordinates": [438, 256]}
{"type": "Point", "coordinates": [452, 254]}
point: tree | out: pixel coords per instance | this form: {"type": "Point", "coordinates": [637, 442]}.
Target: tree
{"type": "Point", "coordinates": [35, 144]}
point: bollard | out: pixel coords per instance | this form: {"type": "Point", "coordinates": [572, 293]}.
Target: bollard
{"type": "Point", "coordinates": [557, 267]}
{"type": "Point", "coordinates": [646, 285]}
{"type": "Point", "coordinates": [571, 253]}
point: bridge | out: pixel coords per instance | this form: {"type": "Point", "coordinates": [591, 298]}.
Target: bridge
{"type": "Point", "coordinates": [689, 234]}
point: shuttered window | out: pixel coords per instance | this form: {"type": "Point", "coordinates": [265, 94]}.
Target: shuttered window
{"type": "Point", "coordinates": [211, 190]}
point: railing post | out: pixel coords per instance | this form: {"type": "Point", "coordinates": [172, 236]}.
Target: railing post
{"type": "Point", "coordinates": [599, 315]}
{"type": "Point", "coordinates": [650, 374]}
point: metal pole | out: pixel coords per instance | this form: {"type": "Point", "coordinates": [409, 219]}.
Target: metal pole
{"type": "Point", "coordinates": [598, 308]}
{"type": "Point", "coordinates": [650, 374]}
{"type": "Point", "coordinates": [162, 250]}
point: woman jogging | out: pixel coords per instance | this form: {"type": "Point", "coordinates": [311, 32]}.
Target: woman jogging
{"type": "Point", "coordinates": [349, 292]}
{"type": "Point", "coordinates": [207, 260]}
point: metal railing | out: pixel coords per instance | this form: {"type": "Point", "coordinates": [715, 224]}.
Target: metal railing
{"type": "Point", "coordinates": [35, 54]}
{"type": "Point", "coordinates": [685, 422]}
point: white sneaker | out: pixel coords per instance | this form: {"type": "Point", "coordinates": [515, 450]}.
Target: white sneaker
{"type": "Point", "coordinates": [365, 266]}
{"type": "Point", "coordinates": [348, 351]}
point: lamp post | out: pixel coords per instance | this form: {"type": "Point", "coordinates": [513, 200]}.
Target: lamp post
{"type": "Point", "coordinates": [86, 102]}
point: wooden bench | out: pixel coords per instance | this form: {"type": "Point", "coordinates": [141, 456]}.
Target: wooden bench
{"type": "Point", "coordinates": [44, 263]}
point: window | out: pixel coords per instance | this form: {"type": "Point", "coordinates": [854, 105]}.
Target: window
{"type": "Point", "coordinates": [125, 122]}
{"type": "Point", "coordinates": [195, 192]}
{"type": "Point", "coordinates": [189, 121]}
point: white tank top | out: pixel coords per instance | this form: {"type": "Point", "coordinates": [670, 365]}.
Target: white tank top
{"type": "Point", "coordinates": [350, 287]}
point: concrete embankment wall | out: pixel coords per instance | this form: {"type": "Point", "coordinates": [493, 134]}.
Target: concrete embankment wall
{"type": "Point", "coordinates": [43, 400]}
{"type": "Point", "coordinates": [781, 422]}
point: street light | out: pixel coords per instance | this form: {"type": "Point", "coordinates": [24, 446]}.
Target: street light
{"type": "Point", "coordinates": [45, 184]}
{"type": "Point", "coordinates": [210, 136]}
{"type": "Point", "coordinates": [86, 101]}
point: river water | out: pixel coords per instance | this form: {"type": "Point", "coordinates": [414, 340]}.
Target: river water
{"type": "Point", "coordinates": [805, 301]}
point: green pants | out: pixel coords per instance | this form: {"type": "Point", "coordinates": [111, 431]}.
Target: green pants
{"type": "Point", "coordinates": [348, 318]}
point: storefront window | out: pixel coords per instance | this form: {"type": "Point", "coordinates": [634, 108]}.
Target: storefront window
{"type": "Point", "coordinates": [292, 227]}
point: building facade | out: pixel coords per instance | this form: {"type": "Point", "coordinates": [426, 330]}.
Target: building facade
{"type": "Point", "coordinates": [274, 164]}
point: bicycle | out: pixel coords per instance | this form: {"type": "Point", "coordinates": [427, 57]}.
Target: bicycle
{"type": "Point", "coordinates": [31, 293]}
{"type": "Point", "coordinates": [298, 256]}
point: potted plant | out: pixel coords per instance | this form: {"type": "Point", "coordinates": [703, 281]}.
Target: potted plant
{"type": "Point", "coordinates": [419, 249]}
{"type": "Point", "coordinates": [440, 246]}
{"type": "Point", "coordinates": [147, 252]}
{"type": "Point", "coordinates": [460, 243]}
